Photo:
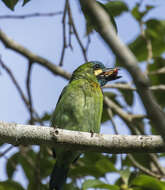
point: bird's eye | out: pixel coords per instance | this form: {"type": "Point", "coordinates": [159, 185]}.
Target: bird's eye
{"type": "Point", "coordinates": [97, 66]}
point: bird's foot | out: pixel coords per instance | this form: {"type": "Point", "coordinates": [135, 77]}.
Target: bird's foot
{"type": "Point", "coordinates": [92, 133]}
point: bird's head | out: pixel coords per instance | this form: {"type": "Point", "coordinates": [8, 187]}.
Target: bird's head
{"type": "Point", "coordinates": [95, 71]}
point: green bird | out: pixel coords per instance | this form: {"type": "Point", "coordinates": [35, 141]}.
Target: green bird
{"type": "Point", "coordinates": [79, 108]}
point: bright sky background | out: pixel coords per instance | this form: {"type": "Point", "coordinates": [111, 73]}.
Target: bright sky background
{"type": "Point", "coordinates": [43, 36]}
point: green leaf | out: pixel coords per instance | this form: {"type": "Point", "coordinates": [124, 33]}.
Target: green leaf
{"type": "Point", "coordinates": [148, 183]}
{"type": "Point", "coordinates": [10, 185]}
{"type": "Point", "coordinates": [90, 20]}
{"type": "Point", "coordinates": [10, 3]}
{"type": "Point", "coordinates": [70, 186]}
{"type": "Point", "coordinates": [92, 164]}
{"type": "Point", "coordinates": [37, 185]}
{"type": "Point", "coordinates": [125, 174]}
{"type": "Point", "coordinates": [137, 14]}
{"type": "Point", "coordinates": [155, 33]}
{"type": "Point", "coordinates": [1, 143]}
{"type": "Point", "coordinates": [11, 165]}
{"type": "Point", "coordinates": [105, 165]}
{"type": "Point", "coordinates": [28, 164]}
{"type": "Point", "coordinates": [46, 162]}
{"type": "Point", "coordinates": [142, 158]}
{"type": "Point", "coordinates": [25, 1]}
{"type": "Point", "coordinates": [36, 166]}
{"type": "Point", "coordinates": [85, 166]}
{"type": "Point", "coordinates": [46, 117]}
{"type": "Point", "coordinates": [98, 184]}
{"type": "Point", "coordinates": [116, 8]}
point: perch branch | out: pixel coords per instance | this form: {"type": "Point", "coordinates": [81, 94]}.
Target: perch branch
{"type": "Point", "coordinates": [17, 134]}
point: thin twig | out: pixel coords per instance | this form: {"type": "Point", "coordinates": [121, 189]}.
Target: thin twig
{"type": "Point", "coordinates": [142, 168]}
{"type": "Point", "coordinates": [157, 164]}
{"type": "Point", "coordinates": [127, 86]}
{"type": "Point", "coordinates": [70, 35]}
{"type": "Point", "coordinates": [26, 102]}
{"type": "Point", "coordinates": [121, 113]}
{"type": "Point", "coordinates": [158, 71]}
{"type": "Point", "coordinates": [6, 151]}
{"type": "Point", "coordinates": [111, 118]}
{"type": "Point", "coordinates": [126, 117]}
{"type": "Point", "coordinates": [28, 83]}
{"type": "Point", "coordinates": [76, 34]}
{"type": "Point", "coordinates": [88, 42]}
{"type": "Point", "coordinates": [30, 15]}
{"type": "Point", "coordinates": [110, 114]}
{"type": "Point", "coordinates": [64, 33]}
{"type": "Point", "coordinates": [15, 82]}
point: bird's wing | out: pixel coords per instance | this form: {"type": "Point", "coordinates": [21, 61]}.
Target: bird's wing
{"type": "Point", "coordinates": [79, 107]}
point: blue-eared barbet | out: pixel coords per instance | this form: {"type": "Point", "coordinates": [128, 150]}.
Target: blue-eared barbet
{"type": "Point", "coordinates": [79, 108]}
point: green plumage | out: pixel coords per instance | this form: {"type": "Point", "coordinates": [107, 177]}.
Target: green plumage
{"type": "Point", "coordinates": [79, 108]}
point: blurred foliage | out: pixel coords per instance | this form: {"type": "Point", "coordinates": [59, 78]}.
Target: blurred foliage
{"type": "Point", "coordinates": [144, 182]}
{"type": "Point", "coordinates": [92, 170]}
{"type": "Point", "coordinates": [113, 9]}
{"type": "Point", "coordinates": [90, 20]}
{"type": "Point", "coordinates": [157, 78]}
{"type": "Point", "coordinates": [154, 33]}
{"type": "Point", "coordinates": [137, 14]}
{"type": "Point", "coordinates": [10, 185]}
{"type": "Point", "coordinates": [12, 3]}
{"type": "Point", "coordinates": [98, 184]}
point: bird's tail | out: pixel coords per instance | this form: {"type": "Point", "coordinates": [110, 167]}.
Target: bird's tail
{"type": "Point", "coordinates": [58, 177]}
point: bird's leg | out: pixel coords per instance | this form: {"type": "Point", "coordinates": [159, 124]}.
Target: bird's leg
{"type": "Point", "coordinates": [92, 133]}
{"type": "Point", "coordinates": [55, 127]}
{"type": "Point", "coordinates": [54, 153]}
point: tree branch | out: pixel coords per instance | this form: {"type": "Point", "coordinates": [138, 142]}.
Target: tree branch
{"type": "Point", "coordinates": [142, 168]}
{"type": "Point", "coordinates": [64, 33]}
{"type": "Point", "coordinates": [127, 86]}
{"type": "Point", "coordinates": [9, 43]}
{"type": "Point", "coordinates": [107, 32]}
{"type": "Point", "coordinates": [30, 15]}
{"type": "Point", "coordinates": [75, 140]}
{"type": "Point", "coordinates": [126, 116]}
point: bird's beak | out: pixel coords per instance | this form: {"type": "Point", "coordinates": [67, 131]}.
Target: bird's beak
{"type": "Point", "coordinates": [109, 74]}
